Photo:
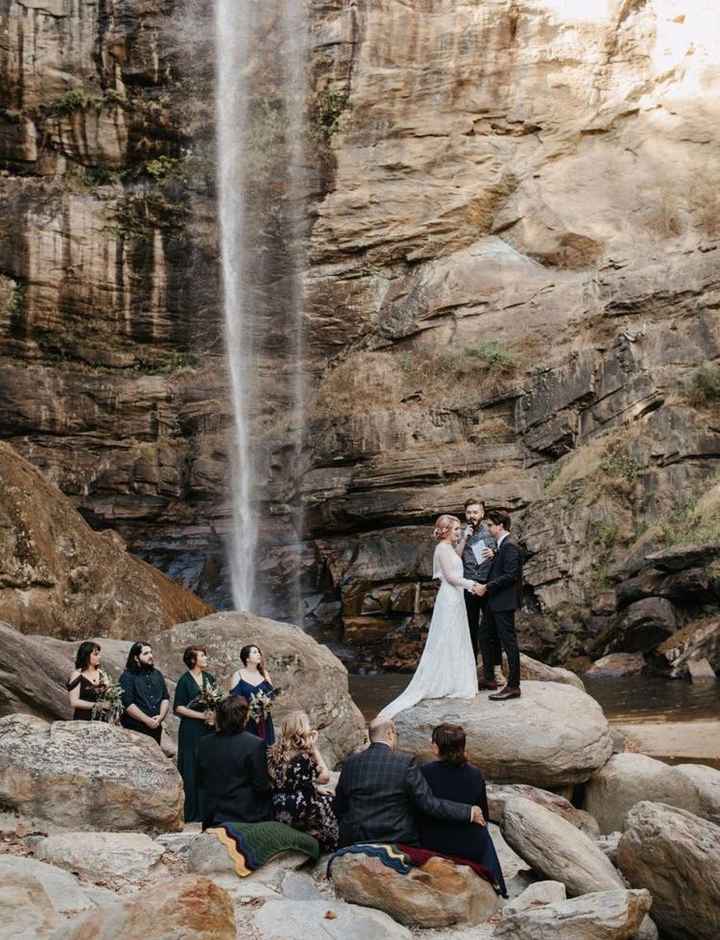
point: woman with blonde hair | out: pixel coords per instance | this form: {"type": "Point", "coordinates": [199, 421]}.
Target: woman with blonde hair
{"type": "Point", "coordinates": [296, 766]}
{"type": "Point", "coordinates": [447, 667]}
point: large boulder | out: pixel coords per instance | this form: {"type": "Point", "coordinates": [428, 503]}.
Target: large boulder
{"type": "Point", "coordinates": [627, 779]}
{"type": "Point", "coordinates": [61, 578]}
{"type": "Point", "coordinates": [308, 674]}
{"type": "Point", "coordinates": [554, 735]}
{"type": "Point", "coordinates": [707, 783]}
{"type": "Point", "coordinates": [644, 625]}
{"type": "Point", "coordinates": [616, 665]}
{"type": "Point", "coordinates": [87, 775]}
{"type": "Point", "coordinates": [438, 894]}
{"type": "Point", "coordinates": [32, 678]}
{"type": "Point", "coordinates": [532, 670]}
{"type": "Point", "coordinates": [102, 856]}
{"type": "Point", "coordinates": [172, 910]}
{"type": "Point", "coordinates": [556, 849]}
{"type": "Point", "coordinates": [676, 856]}
{"type": "Point", "coordinates": [603, 915]}
{"type": "Point", "coordinates": [499, 795]}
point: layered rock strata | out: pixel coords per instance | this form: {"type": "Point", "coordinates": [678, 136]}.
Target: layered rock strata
{"type": "Point", "coordinates": [510, 289]}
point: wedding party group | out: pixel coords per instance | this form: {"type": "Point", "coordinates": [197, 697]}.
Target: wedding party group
{"type": "Point", "coordinates": [235, 770]}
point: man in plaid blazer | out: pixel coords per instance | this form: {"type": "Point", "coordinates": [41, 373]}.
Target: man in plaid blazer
{"type": "Point", "coordinates": [380, 791]}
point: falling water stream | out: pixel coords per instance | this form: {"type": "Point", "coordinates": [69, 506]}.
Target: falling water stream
{"type": "Point", "coordinates": [261, 53]}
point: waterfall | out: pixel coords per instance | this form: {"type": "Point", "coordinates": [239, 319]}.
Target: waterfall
{"type": "Point", "coordinates": [261, 50]}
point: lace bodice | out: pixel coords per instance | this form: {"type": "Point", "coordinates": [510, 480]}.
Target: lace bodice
{"type": "Point", "coordinates": [448, 566]}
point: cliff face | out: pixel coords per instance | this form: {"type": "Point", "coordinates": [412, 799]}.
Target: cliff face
{"type": "Point", "coordinates": [110, 344]}
{"type": "Point", "coordinates": [511, 286]}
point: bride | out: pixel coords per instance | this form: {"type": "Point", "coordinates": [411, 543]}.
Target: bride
{"type": "Point", "coordinates": [447, 667]}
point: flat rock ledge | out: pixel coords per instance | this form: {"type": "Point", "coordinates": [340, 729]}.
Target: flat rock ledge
{"type": "Point", "coordinates": [88, 776]}
{"type": "Point", "coordinates": [439, 894]}
{"type": "Point", "coordinates": [553, 735]}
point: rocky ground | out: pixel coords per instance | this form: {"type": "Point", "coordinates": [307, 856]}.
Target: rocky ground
{"type": "Point", "coordinates": [92, 841]}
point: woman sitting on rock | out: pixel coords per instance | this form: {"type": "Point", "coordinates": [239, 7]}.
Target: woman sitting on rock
{"type": "Point", "coordinates": [252, 681]}
{"type": "Point", "coordinates": [296, 766]}
{"type": "Point", "coordinates": [88, 683]}
{"type": "Point", "coordinates": [197, 718]}
{"type": "Point", "coordinates": [452, 777]}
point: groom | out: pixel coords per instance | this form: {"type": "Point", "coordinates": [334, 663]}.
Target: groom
{"type": "Point", "coordinates": [504, 597]}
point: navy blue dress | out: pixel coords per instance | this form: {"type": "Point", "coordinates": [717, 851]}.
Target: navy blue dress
{"type": "Point", "coordinates": [264, 728]}
{"type": "Point", "coordinates": [464, 784]}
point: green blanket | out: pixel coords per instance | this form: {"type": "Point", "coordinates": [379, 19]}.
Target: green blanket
{"type": "Point", "coordinates": [251, 845]}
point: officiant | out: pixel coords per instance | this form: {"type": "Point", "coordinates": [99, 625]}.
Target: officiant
{"type": "Point", "coordinates": [477, 550]}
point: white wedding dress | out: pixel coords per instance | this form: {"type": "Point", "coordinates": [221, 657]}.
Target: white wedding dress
{"type": "Point", "coordinates": [447, 667]}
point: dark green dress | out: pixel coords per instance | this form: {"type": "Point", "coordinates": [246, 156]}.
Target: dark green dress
{"type": "Point", "coordinates": [192, 730]}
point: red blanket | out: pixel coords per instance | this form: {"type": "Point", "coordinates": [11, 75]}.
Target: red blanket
{"type": "Point", "coordinates": [418, 857]}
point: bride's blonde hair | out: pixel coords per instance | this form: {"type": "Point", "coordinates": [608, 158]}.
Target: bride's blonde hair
{"type": "Point", "coordinates": [443, 526]}
{"type": "Point", "coordinates": [294, 739]}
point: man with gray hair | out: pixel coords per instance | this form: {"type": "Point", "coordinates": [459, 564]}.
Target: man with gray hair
{"type": "Point", "coordinates": [380, 791]}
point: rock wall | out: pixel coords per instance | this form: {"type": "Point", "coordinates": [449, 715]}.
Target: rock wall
{"type": "Point", "coordinates": [512, 284]}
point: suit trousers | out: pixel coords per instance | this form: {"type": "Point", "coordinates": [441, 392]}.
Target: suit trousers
{"type": "Point", "coordinates": [483, 635]}
{"type": "Point", "coordinates": [504, 621]}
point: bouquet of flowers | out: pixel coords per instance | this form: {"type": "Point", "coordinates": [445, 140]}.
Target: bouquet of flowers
{"type": "Point", "coordinates": [261, 705]}
{"type": "Point", "coordinates": [110, 706]}
{"type": "Point", "coordinates": [209, 698]}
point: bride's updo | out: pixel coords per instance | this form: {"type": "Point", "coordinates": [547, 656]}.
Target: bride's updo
{"type": "Point", "coordinates": [443, 525]}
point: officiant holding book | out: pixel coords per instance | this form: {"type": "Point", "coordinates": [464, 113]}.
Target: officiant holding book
{"type": "Point", "coordinates": [477, 550]}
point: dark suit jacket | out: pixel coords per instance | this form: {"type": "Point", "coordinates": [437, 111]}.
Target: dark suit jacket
{"type": "Point", "coordinates": [504, 587]}
{"type": "Point", "coordinates": [233, 778]}
{"type": "Point", "coordinates": [379, 793]}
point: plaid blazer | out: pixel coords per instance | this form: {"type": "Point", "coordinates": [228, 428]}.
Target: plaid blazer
{"type": "Point", "coordinates": [378, 794]}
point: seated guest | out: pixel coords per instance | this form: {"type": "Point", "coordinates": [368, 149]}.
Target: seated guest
{"type": "Point", "coordinates": [379, 792]}
{"type": "Point", "coordinates": [231, 769]}
{"type": "Point", "coordinates": [88, 683]}
{"type": "Point", "coordinates": [451, 777]}
{"type": "Point", "coordinates": [145, 698]}
{"type": "Point", "coordinates": [296, 766]}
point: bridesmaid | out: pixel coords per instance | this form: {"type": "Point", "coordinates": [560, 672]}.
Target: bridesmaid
{"type": "Point", "coordinates": [196, 720]}
{"type": "Point", "coordinates": [251, 678]}
{"type": "Point", "coordinates": [88, 683]}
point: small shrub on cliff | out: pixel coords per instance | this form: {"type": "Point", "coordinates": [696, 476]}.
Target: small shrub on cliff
{"type": "Point", "coordinates": [329, 108]}
{"type": "Point", "coordinates": [493, 355]}
{"type": "Point", "coordinates": [704, 386]}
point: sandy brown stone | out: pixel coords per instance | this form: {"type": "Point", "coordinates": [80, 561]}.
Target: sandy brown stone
{"type": "Point", "coordinates": [186, 907]}
{"type": "Point", "coordinates": [309, 675]}
{"type": "Point", "coordinates": [88, 776]}
{"type": "Point", "coordinates": [61, 578]}
{"type": "Point", "coordinates": [436, 895]}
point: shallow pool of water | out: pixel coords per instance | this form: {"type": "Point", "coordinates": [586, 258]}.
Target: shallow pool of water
{"type": "Point", "coordinates": [631, 699]}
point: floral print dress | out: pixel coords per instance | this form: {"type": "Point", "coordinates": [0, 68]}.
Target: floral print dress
{"type": "Point", "coordinates": [297, 803]}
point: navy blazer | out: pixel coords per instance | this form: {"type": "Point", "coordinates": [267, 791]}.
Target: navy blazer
{"type": "Point", "coordinates": [504, 586]}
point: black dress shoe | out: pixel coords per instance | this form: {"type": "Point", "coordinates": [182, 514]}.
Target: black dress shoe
{"type": "Point", "coordinates": [505, 694]}
{"type": "Point", "coordinates": [487, 684]}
